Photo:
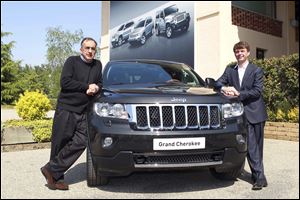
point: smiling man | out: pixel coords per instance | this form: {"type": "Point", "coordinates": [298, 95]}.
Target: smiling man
{"type": "Point", "coordinates": [245, 80]}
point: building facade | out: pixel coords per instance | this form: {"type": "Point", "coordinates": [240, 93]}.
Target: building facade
{"type": "Point", "coordinates": [270, 27]}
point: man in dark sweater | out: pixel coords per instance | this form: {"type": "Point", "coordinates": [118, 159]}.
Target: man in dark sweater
{"type": "Point", "coordinates": [81, 79]}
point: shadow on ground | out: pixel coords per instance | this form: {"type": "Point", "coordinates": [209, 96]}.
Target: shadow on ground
{"type": "Point", "coordinates": [155, 182]}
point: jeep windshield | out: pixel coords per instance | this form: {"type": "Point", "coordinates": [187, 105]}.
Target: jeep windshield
{"type": "Point", "coordinates": [123, 73]}
{"type": "Point", "coordinates": [140, 24]}
{"type": "Point", "coordinates": [170, 10]}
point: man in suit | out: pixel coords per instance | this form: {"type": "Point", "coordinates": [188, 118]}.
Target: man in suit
{"type": "Point", "coordinates": [245, 80]}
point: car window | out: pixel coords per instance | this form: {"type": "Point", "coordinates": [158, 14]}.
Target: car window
{"type": "Point", "coordinates": [148, 21]}
{"type": "Point", "coordinates": [121, 27]}
{"type": "Point", "coordinates": [157, 16]}
{"type": "Point", "coordinates": [161, 15]}
{"type": "Point", "coordinates": [170, 10]}
{"type": "Point", "coordinates": [128, 25]}
{"type": "Point", "coordinates": [140, 24]}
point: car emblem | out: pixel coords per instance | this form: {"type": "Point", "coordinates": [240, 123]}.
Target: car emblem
{"type": "Point", "coordinates": [182, 100]}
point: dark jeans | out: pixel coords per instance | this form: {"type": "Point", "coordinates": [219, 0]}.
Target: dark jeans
{"type": "Point", "coordinates": [68, 141]}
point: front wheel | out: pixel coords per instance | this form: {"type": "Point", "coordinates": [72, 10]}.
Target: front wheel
{"type": "Point", "coordinates": [228, 175]}
{"type": "Point", "coordinates": [143, 39]}
{"type": "Point", "coordinates": [92, 178]}
{"type": "Point", "coordinates": [186, 27]}
{"type": "Point", "coordinates": [157, 32]}
{"type": "Point", "coordinates": [169, 31]}
{"type": "Point", "coordinates": [120, 41]}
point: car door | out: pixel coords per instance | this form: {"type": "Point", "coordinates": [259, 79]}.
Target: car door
{"type": "Point", "coordinates": [148, 26]}
{"type": "Point", "coordinates": [127, 30]}
{"type": "Point", "coordinates": [160, 20]}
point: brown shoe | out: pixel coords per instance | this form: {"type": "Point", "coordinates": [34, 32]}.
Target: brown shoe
{"type": "Point", "coordinates": [49, 178]}
{"type": "Point", "coordinates": [51, 183]}
{"type": "Point", "coordinates": [60, 185]}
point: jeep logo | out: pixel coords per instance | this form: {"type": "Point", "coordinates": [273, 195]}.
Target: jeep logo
{"type": "Point", "coordinates": [178, 99]}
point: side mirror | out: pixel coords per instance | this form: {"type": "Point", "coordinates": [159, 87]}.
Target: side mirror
{"type": "Point", "coordinates": [210, 82]}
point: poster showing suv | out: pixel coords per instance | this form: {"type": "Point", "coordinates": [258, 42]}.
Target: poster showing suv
{"type": "Point", "coordinates": [161, 30]}
{"type": "Point", "coordinates": [143, 30]}
{"type": "Point", "coordinates": [170, 20]}
{"type": "Point", "coordinates": [122, 34]}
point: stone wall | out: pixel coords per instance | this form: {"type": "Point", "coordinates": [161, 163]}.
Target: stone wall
{"type": "Point", "coordinates": [282, 131]}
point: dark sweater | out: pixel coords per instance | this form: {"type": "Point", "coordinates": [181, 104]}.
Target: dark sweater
{"type": "Point", "coordinates": [75, 79]}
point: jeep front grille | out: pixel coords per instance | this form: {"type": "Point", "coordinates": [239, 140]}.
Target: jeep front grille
{"type": "Point", "coordinates": [176, 116]}
{"type": "Point", "coordinates": [180, 18]}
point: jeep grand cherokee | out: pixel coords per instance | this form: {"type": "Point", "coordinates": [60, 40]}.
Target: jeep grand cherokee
{"type": "Point", "coordinates": [157, 115]}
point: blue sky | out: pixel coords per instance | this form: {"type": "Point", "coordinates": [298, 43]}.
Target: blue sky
{"type": "Point", "coordinates": [28, 22]}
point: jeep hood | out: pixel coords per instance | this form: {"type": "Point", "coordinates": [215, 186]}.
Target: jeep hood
{"type": "Point", "coordinates": [138, 30]}
{"type": "Point", "coordinates": [169, 17]}
{"type": "Point", "coordinates": [161, 94]}
{"type": "Point", "coordinates": [165, 89]}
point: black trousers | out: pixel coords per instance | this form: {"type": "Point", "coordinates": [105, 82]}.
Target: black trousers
{"type": "Point", "coordinates": [255, 151]}
{"type": "Point", "coordinates": [68, 141]}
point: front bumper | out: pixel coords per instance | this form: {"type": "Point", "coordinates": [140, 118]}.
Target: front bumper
{"type": "Point", "coordinates": [132, 150]}
{"type": "Point", "coordinates": [180, 25]}
{"type": "Point", "coordinates": [135, 38]}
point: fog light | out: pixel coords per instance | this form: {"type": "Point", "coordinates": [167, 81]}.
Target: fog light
{"type": "Point", "coordinates": [240, 139]}
{"type": "Point", "coordinates": [107, 142]}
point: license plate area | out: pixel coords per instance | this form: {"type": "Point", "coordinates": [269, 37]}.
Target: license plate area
{"type": "Point", "coordinates": [178, 143]}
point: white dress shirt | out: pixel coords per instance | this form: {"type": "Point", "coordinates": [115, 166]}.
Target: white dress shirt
{"type": "Point", "coordinates": [241, 70]}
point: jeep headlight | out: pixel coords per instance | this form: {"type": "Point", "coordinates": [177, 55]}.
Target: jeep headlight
{"type": "Point", "coordinates": [232, 110]}
{"type": "Point", "coordinates": [110, 110]}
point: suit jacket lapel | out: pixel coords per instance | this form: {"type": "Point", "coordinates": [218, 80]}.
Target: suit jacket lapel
{"type": "Point", "coordinates": [247, 74]}
{"type": "Point", "coordinates": [235, 78]}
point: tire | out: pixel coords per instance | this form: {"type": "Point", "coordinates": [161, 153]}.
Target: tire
{"type": "Point", "coordinates": [157, 32]}
{"type": "Point", "coordinates": [228, 175]}
{"type": "Point", "coordinates": [92, 178]}
{"type": "Point", "coordinates": [120, 41]}
{"type": "Point", "coordinates": [143, 39]}
{"type": "Point", "coordinates": [169, 31]}
{"type": "Point", "coordinates": [186, 27]}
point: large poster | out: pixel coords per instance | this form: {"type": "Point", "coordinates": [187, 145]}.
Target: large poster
{"type": "Point", "coordinates": [152, 30]}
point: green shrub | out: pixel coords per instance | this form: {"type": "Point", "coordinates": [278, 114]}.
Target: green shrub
{"type": "Point", "coordinates": [280, 115]}
{"type": "Point", "coordinates": [53, 103]}
{"type": "Point", "coordinates": [41, 129]}
{"type": "Point", "coordinates": [2, 130]}
{"type": "Point", "coordinates": [271, 115]}
{"type": "Point", "coordinates": [293, 115]}
{"type": "Point", "coordinates": [281, 85]}
{"type": "Point", "coordinates": [41, 134]}
{"type": "Point", "coordinates": [33, 105]}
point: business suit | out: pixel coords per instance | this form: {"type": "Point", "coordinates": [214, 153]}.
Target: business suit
{"type": "Point", "coordinates": [250, 93]}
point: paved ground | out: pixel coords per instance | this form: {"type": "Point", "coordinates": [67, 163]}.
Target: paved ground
{"type": "Point", "coordinates": [21, 179]}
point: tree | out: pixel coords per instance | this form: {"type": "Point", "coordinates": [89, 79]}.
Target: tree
{"type": "Point", "coordinates": [9, 72]}
{"type": "Point", "coordinates": [60, 46]}
{"type": "Point", "coordinates": [34, 78]}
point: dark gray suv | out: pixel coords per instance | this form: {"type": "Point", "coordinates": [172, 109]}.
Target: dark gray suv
{"type": "Point", "coordinates": [157, 115]}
